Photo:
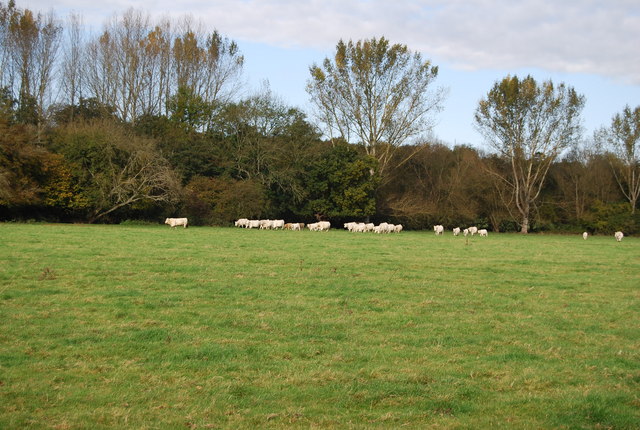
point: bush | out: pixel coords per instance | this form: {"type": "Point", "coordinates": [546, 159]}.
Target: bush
{"type": "Point", "coordinates": [606, 218]}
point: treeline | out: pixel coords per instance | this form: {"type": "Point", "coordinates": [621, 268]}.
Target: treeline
{"type": "Point", "coordinates": [145, 121]}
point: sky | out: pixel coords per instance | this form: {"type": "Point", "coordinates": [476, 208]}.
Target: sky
{"type": "Point", "coordinates": [590, 45]}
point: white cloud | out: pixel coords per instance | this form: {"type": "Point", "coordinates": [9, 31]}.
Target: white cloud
{"type": "Point", "coordinates": [569, 36]}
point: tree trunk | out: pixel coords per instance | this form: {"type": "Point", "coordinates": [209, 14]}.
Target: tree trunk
{"type": "Point", "coordinates": [524, 224]}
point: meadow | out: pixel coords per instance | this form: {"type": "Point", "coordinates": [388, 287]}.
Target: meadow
{"type": "Point", "coordinates": [147, 327]}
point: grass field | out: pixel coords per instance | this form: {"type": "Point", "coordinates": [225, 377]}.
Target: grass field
{"type": "Point", "coordinates": [146, 327]}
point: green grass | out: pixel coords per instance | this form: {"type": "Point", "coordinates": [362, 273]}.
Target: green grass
{"type": "Point", "coordinates": [146, 327]}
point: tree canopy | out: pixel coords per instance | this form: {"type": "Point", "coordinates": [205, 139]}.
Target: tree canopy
{"type": "Point", "coordinates": [529, 125]}
{"type": "Point", "coordinates": [376, 94]}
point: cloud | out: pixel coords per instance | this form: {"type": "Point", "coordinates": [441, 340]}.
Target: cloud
{"type": "Point", "coordinates": [571, 36]}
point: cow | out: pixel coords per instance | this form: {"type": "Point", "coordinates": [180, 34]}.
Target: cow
{"type": "Point", "coordinates": [174, 222]}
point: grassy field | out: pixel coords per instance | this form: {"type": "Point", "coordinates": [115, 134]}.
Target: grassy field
{"type": "Point", "coordinates": [146, 327]}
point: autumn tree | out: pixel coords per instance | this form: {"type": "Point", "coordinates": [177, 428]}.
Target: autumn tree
{"type": "Point", "coordinates": [528, 125]}
{"type": "Point", "coordinates": [116, 168]}
{"type": "Point", "coordinates": [209, 65]}
{"type": "Point", "coordinates": [622, 139]}
{"type": "Point", "coordinates": [138, 67]}
{"type": "Point", "coordinates": [29, 46]}
{"type": "Point", "coordinates": [376, 94]}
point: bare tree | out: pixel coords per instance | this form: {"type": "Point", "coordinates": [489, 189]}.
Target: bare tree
{"type": "Point", "coordinates": [208, 65]}
{"type": "Point", "coordinates": [72, 62]}
{"type": "Point", "coordinates": [100, 74]}
{"type": "Point", "coordinates": [30, 44]}
{"type": "Point", "coordinates": [137, 67]}
{"type": "Point", "coordinates": [157, 85]}
{"type": "Point", "coordinates": [528, 125]}
{"type": "Point", "coordinates": [622, 138]}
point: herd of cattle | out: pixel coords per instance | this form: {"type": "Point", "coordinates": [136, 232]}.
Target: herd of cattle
{"type": "Point", "coordinates": [358, 227]}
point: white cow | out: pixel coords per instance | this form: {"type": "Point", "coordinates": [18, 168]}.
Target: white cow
{"type": "Point", "coordinates": [483, 232]}
{"type": "Point", "coordinates": [277, 224]}
{"type": "Point", "coordinates": [585, 235]}
{"type": "Point", "coordinates": [473, 230]}
{"type": "Point", "coordinates": [324, 225]}
{"type": "Point", "coordinates": [618, 235]}
{"type": "Point", "coordinates": [438, 229]}
{"type": "Point", "coordinates": [456, 231]}
{"type": "Point", "coordinates": [465, 232]}
{"type": "Point", "coordinates": [398, 228]}
{"type": "Point", "coordinates": [173, 222]}
{"type": "Point", "coordinates": [253, 223]}
{"type": "Point", "coordinates": [242, 222]}
{"type": "Point", "coordinates": [360, 227]}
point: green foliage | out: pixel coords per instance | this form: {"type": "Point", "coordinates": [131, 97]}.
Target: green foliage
{"type": "Point", "coordinates": [189, 110]}
{"type": "Point", "coordinates": [114, 167]}
{"type": "Point", "coordinates": [608, 218]}
{"type": "Point", "coordinates": [220, 201]}
{"type": "Point", "coordinates": [529, 125]}
{"type": "Point", "coordinates": [622, 138]}
{"type": "Point", "coordinates": [376, 94]}
{"type": "Point", "coordinates": [341, 184]}
{"type": "Point", "coordinates": [87, 109]}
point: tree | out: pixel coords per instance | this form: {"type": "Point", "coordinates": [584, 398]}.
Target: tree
{"type": "Point", "coordinates": [623, 139]}
{"type": "Point", "coordinates": [137, 67]}
{"type": "Point", "coordinates": [267, 141]}
{"type": "Point", "coordinates": [29, 46]}
{"type": "Point", "coordinates": [375, 93]}
{"type": "Point", "coordinates": [222, 200]}
{"type": "Point", "coordinates": [115, 168]}
{"type": "Point", "coordinates": [339, 184]}
{"type": "Point", "coordinates": [72, 64]}
{"type": "Point", "coordinates": [529, 125]}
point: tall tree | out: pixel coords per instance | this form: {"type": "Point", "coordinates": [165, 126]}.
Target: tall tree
{"type": "Point", "coordinates": [376, 94]}
{"type": "Point", "coordinates": [529, 125]}
{"type": "Point", "coordinates": [622, 138]}
{"type": "Point", "coordinates": [30, 44]}
{"type": "Point", "coordinates": [138, 67]}
{"type": "Point", "coordinates": [72, 63]}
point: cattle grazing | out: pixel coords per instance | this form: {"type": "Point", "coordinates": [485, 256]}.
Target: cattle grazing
{"type": "Point", "coordinates": [242, 222]}
{"type": "Point", "coordinates": [618, 235]}
{"type": "Point", "coordinates": [473, 230]}
{"type": "Point", "coordinates": [456, 231]}
{"type": "Point", "coordinates": [174, 222]}
{"type": "Point", "coordinates": [483, 232]}
{"type": "Point", "coordinates": [438, 229]}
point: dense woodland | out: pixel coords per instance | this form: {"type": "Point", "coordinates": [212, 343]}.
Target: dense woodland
{"type": "Point", "coordinates": [147, 120]}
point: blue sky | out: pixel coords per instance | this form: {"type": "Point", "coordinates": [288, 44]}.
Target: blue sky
{"type": "Point", "coordinates": [588, 44]}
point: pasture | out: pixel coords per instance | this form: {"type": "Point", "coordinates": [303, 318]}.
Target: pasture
{"type": "Point", "coordinates": [148, 327]}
